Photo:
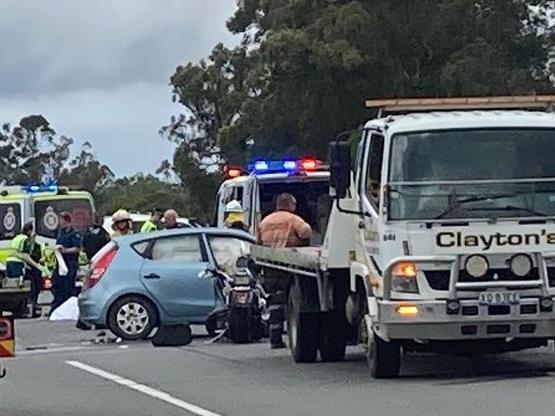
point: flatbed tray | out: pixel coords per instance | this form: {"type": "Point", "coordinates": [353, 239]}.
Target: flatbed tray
{"type": "Point", "coordinates": [295, 258]}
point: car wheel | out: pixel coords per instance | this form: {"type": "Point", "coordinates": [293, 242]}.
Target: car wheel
{"type": "Point", "coordinates": [132, 318]}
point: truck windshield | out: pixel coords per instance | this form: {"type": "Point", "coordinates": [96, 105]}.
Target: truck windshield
{"type": "Point", "coordinates": [472, 173]}
{"type": "Point", "coordinates": [10, 220]}
{"type": "Point", "coordinates": [313, 202]}
{"type": "Point", "coordinates": [46, 214]}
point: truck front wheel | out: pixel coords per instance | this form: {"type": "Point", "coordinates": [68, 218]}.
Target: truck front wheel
{"type": "Point", "coordinates": [384, 358]}
{"type": "Point", "coordinates": [302, 329]}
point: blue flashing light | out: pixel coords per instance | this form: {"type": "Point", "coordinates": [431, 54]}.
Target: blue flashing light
{"type": "Point", "coordinates": [261, 165]}
{"type": "Point", "coordinates": [50, 187]}
{"type": "Point", "coordinates": [290, 165]}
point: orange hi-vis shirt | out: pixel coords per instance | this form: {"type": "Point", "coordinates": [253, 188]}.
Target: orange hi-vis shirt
{"type": "Point", "coordinates": [283, 229]}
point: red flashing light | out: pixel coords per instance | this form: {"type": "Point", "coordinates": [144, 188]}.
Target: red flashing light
{"type": "Point", "coordinates": [232, 172]}
{"type": "Point", "coordinates": [310, 164]}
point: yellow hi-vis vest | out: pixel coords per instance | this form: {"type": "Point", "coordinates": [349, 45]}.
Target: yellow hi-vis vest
{"type": "Point", "coordinates": [17, 245]}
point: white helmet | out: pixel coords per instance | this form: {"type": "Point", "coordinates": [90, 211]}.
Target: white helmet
{"type": "Point", "coordinates": [121, 215]}
{"type": "Point", "coordinates": [233, 206]}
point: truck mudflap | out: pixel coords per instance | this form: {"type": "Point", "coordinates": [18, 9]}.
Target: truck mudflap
{"type": "Point", "coordinates": [456, 317]}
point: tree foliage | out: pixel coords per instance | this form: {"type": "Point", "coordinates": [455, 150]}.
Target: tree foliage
{"type": "Point", "coordinates": [140, 193]}
{"type": "Point", "coordinates": [306, 66]}
{"type": "Point", "coordinates": [31, 151]}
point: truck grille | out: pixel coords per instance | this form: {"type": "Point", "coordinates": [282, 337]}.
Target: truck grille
{"type": "Point", "coordinates": [439, 279]}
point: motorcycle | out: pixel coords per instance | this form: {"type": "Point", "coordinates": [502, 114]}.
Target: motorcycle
{"type": "Point", "coordinates": [243, 317]}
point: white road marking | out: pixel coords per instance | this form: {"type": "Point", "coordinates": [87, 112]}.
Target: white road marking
{"type": "Point", "coordinates": [142, 388]}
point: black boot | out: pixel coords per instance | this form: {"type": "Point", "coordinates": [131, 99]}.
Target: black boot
{"type": "Point", "coordinates": [276, 338]}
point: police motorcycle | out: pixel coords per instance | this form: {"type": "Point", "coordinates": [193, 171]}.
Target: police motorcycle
{"type": "Point", "coordinates": [242, 316]}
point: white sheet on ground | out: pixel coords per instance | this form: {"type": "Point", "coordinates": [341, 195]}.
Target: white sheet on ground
{"type": "Point", "coordinates": [67, 311]}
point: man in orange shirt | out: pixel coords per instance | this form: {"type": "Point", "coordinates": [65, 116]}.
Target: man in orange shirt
{"type": "Point", "coordinates": [281, 229]}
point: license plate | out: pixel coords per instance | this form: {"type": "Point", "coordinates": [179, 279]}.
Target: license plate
{"type": "Point", "coordinates": [499, 298]}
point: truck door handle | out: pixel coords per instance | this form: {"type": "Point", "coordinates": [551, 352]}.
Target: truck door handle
{"type": "Point", "coordinates": [152, 276]}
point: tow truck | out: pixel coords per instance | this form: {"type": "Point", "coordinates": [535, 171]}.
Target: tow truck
{"type": "Point", "coordinates": [39, 204]}
{"type": "Point", "coordinates": [441, 237]}
{"type": "Point", "coordinates": [257, 186]}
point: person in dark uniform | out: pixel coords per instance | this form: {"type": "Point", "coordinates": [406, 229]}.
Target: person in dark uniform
{"type": "Point", "coordinates": [68, 244]}
{"type": "Point", "coordinates": [95, 238]}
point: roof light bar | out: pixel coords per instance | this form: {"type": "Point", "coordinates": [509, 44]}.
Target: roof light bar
{"type": "Point", "coordinates": [44, 187]}
{"type": "Point", "coordinates": [545, 102]}
{"type": "Point", "coordinates": [287, 165]}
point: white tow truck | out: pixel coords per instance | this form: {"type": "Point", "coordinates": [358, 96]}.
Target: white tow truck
{"type": "Point", "coordinates": [441, 237]}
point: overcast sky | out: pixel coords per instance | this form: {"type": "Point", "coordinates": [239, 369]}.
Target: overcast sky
{"type": "Point", "coordinates": [99, 70]}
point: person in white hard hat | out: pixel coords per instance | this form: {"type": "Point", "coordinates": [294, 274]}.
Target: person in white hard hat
{"type": "Point", "coordinates": [121, 223]}
{"type": "Point", "coordinates": [234, 217]}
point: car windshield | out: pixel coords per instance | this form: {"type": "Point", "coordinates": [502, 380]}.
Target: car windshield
{"type": "Point", "coordinates": [313, 202]}
{"type": "Point", "coordinates": [46, 214]}
{"type": "Point", "coordinates": [472, 173]}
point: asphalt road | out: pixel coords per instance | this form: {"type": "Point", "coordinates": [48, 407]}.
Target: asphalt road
{"type": "Point", "coordinates": [58, 371]}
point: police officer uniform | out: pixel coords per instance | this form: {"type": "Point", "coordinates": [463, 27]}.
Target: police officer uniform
{"type": "Point", "coordinates": [63, 287]}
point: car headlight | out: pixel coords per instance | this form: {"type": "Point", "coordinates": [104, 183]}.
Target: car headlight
{"type": "Point", "coordinates": [520, 265]}
{"type": "Point", "coordinates": [403, 278]}
{"type": "Point", "coordinates": [476, 266]}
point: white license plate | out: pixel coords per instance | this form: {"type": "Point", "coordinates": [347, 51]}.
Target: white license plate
{"type": "Point", "coordinates": [499, 298]}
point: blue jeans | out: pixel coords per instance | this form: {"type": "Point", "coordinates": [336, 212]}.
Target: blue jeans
{"type": "Point", "coordinates": [63, 287]}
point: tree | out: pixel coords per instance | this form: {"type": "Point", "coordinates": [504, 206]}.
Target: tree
{"type": "Point", "coordinates": [320, 59]}
{"type": "Point", "coordinates": [31, 151]}
{"type": "Point", "coordinates": [86, 172]}
{"type": "Point", "coordinates": [140, 193]}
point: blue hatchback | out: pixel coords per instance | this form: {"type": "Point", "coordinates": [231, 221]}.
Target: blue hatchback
{"type": "Point", "coordinates": [139, 282]}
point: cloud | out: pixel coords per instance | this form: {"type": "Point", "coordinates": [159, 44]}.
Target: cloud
{"type": "Point", "coordinates": [121, 124]}
{"type": "Point", "coordinates": [99, 70]}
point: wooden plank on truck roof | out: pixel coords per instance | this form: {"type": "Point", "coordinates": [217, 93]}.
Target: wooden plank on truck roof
{"type": "Point", "coordinates": [463, 103]}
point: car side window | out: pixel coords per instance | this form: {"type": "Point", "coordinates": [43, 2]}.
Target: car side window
{"type": "Point", "coordinates": [182, 248]}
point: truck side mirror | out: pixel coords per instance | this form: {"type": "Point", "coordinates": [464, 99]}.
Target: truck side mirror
{"type": "Point", "coordinates": [340, 169]}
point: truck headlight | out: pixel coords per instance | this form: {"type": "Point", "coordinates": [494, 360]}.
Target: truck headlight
{"type": "Point", "coordinates": [520, 265]}
{"type": "Point", "coordinates": [403, 278]}
{"type": "Point", "coordinates": [476, 266]}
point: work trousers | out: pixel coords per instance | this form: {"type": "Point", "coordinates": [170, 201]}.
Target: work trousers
{"type": "Point", "coordinates": [63, 287]}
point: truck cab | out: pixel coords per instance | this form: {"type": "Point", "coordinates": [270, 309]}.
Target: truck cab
{"type": "Point", "coordinates": [258, 186]}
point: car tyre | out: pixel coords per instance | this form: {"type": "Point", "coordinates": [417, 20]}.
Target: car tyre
{"type": "Point", "coordinates": [132, 318]}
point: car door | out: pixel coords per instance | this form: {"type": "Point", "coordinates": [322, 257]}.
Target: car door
{"type": "Point", "coordinates": [172, 273]}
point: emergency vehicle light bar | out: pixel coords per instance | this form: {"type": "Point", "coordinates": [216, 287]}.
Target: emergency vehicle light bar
{"type": "Point", "coordinates": [287, 165]}
{"type": "Point", "coordinates": [522, 102]}
{"type": "Point", "coordinates": [45, 187]}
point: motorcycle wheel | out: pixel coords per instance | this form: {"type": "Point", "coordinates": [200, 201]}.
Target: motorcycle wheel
{"type": "Point", "coordinates": [239, 325]}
